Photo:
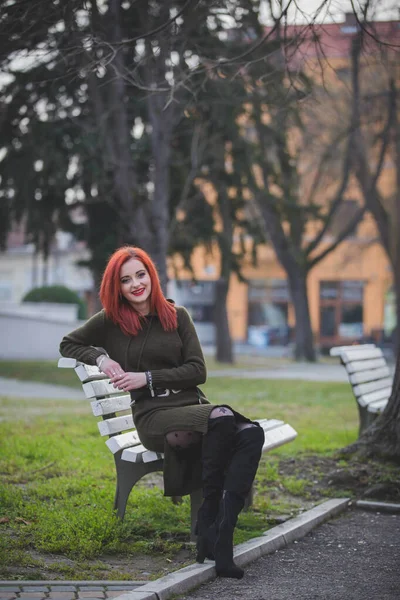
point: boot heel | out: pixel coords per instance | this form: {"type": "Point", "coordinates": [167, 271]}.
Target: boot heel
{"type": "Point", "coordinates": [233, 572]}
{"type": "Point", "coordinates": [230, 507]}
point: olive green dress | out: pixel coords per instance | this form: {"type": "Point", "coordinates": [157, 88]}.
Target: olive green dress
{"type": "Point", "coordinates": [176, 363]}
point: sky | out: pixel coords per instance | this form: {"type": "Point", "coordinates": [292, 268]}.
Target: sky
{"type": "Point", "coordinates": [384, 9]}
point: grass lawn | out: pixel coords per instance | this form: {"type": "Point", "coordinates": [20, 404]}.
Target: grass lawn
{"type": "Point", "coordinates": [56, 495]}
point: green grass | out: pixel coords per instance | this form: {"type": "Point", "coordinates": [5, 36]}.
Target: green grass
{"type": "Point", "coordinates": [58, 477]}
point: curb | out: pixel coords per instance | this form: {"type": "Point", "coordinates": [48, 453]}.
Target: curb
{"type": "Point", "coordinates": [276, 538]}
{"type": "Point", "coordinates": [386, 507]}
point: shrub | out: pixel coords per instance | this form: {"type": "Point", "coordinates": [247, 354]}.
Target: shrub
{"type": "Point", "coordinates": [58, 294]}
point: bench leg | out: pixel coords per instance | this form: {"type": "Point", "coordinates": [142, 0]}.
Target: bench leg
{"type": "Point", "coordinates": [128, 474]}
{"type": "Point", "coordinates": [366, 419]}
{"type": "Point", "coordinates": [196, 498]}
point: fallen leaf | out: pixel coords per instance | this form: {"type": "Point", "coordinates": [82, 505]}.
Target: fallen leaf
{"type": "Point", "coordinates": [21, 520]}
{"type": "Point", "coordinates": [4, 520]}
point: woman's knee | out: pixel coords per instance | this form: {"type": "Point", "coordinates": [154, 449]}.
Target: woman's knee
{"type": "Point", "coordinates": [251, 434]}
{"type": "Point", "coordinates": [241, 426]}
{"type": "Point", "coordinates": [182, 439]}
{"type": "Point", "coordinates": [221, 411]}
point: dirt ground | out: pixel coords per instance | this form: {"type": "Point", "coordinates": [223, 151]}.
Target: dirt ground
{"type": "Point", "coordinates": [326, 477]}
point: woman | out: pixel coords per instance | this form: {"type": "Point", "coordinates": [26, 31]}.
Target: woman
{"type": "Point", "coordinates": [148, 346]}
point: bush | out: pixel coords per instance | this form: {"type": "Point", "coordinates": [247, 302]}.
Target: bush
{"type": "Point", "coordinates": [58, 294]}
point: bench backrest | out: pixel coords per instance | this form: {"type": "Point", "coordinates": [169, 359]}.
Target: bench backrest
{"type": "Point", "coordinates": [114, 408]}
{"type": "Point", "coordinates": [368, 374]}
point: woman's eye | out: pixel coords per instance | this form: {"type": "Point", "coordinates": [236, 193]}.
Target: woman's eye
{"type": "Point", "coordinates": [141, 274]}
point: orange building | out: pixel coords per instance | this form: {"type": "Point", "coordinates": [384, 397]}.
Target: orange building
{"type": "Point", "coordinates": [350, 290]}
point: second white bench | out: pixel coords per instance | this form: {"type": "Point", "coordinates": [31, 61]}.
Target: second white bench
{"type": "Point", "coordinates": [370, 378]}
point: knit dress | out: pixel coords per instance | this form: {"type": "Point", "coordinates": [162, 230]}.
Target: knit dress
{"type": "Point", "coordinates": [176, 363]}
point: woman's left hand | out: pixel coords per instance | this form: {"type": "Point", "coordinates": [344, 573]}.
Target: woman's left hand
{"type": "Point", "coordinates": [129, 381]}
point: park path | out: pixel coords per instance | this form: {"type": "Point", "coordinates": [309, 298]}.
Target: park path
{"type": "Point", "coordinates": [297, 371]}
{"type": "Point", "coordinates": [352, 557]}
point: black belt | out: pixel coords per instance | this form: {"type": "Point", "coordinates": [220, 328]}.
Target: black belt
{"type": "Point", "coordinates": [143, 394]}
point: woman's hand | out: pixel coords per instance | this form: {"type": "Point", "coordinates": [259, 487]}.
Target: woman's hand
{"type": "Point", "coordinates": [111, 368]}
{"type": "Point", "coordinates": [129, 381]}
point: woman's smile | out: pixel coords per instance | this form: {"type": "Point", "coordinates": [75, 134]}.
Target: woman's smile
{"type": "Point", "coordinates": [138, 292]}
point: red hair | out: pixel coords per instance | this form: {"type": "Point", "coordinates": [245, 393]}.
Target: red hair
{"type": "Point", "coordinates": [118, 309]}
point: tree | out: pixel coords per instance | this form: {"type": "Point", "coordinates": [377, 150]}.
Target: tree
{"type": "Point", "coordinates": [212, 208]}
{"type": "Point", "coordinates": [379, 138]}
{"type": "Point", "coordinates": [296, 214]}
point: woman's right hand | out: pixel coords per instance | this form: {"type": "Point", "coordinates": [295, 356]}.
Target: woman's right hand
{"type": "Point", "coordinates": [111, 368]}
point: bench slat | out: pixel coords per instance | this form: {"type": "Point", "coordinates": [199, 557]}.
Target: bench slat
{"type": "Point", "coordinates": [364, 365]}
{"type": "Point", "coordinates": [115, 425]}
{"type": "Point", "coordinates": [67, 363]}
{"type": "Point", "coordinates": [372, 375]}
{"type": "Point", "coordinates": [383, 394]}
{"type": "Point", "coordinates": [122, 441]}
{"type": "Point", "coordinates": [110, 405]}
{"type": "Point", "coordinates": [268, 424]}
{"type": "Point", "coordinates": [377, 407]}
{"type": "Point", "coordinates": [337, 350]}
{"type": "Point", "coordinates": [361, 354]}
{"type": "Point", "coordinates": [88, 373]}
{"type": "Point", "coordinates": [140, 454]}
{"type": "Point", "coordinates": [373, 386]}
{"type": "Point", "coordinates": [277, 437]}
{"type": "Point", "coordinates": [99, 389]}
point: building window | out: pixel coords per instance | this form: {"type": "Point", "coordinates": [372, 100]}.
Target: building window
{"type": "Point", "coordinates": [341, 310]}
{"type": "Point", "coordinates": [268, 312]}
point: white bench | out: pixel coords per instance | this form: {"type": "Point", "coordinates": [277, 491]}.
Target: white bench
{"type": "Point", "coordinates": [370, 379]}
{"type": "Point", "coordinates": [132, 460]}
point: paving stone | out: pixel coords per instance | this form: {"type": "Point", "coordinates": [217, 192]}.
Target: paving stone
{"type": "Point", "coordinates": [93, 594]}
{"type": "Point", "coordinates": [114, 594]}
{"type": "Point", "coordinates": [31, 595]}
{"type": "Point", "coordinates": [10, 588]}
{"type": "Point", "coordinates": [63, 588]}
{"type": "Point", "coordinates": [35, 588]}
{"type": "Point", "coordinates": [91, 588]}
{"type": "Point", "coordinates": [54, 595]}
{"type": "Point", "coordinates": [93, 597]}
{"type": "Point", "coordinates": [132, 586]}
{"type": "Point", "coordinates": [8, 595]}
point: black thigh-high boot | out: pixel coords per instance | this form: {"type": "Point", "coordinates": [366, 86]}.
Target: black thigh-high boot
{"type": "Point", "coordinates": [238, 482]}
{"type": "Point", "coordinates": [216, 454]}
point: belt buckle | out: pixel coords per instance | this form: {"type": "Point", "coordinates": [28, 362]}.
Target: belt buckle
{"type": "Point", "coordinates": [166, 393]}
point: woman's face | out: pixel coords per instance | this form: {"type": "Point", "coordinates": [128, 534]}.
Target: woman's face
{"type": "Point", "coordinates": [136, 285]}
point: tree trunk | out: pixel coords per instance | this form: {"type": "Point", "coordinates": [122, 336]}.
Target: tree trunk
{"type": "Point", "coordinates": [304, 343]}
{"type": "Point", "coordinates": [396, 285]}
{"type": "Point", "coordinates": [109, 100]}
{"type": "Point", "coordinates": [297, 280]}
{"type": "Point", "coordinates": [223, 342]}
{"type": "Point", "coordinates": [161, 149]}
{"type": "Point", "coordinates": [35, 274]}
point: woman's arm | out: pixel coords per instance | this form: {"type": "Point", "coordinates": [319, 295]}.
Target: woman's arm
{"type": "Point", "coordinates": [193, 370]}
{"type": "Point", "coordinates": [79, 344]}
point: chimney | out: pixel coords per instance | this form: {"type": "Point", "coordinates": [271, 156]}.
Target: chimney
{"type": "Point", "coordinates": [350, 19]}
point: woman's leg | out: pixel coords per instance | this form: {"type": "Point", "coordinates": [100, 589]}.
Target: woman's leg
{"type": "Point", "coordinates": [216, 455]}
{"type": "Point", "coordinates": [183, 439]}
{"type": "Point", "coordinates": [249, 440]}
